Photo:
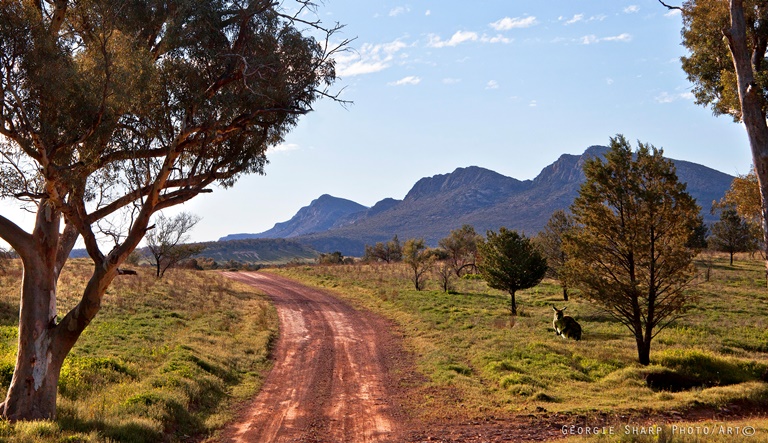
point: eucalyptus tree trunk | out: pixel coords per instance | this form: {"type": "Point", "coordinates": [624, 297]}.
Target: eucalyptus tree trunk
{"type": "Point", "coordinates": [43, 342]}
{"type": "Point", "coordinates": [751, 100]}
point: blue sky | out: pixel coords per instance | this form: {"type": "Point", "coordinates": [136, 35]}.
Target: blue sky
{"type": "Point", "coordinates": [506, 85]}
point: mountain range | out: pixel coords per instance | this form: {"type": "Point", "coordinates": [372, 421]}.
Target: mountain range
{"type": "Point", "coordinates": [476, 196]}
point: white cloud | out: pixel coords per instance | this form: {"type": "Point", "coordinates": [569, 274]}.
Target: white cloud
{"type": "Point", "coordinates": [666, 97]}
{"type": "Point", "coordinates": [284, 147]}
{"type": "Point", "coordinates": [428, 13]}
{"type": "Point", "coordinates": [451, 81]}
{"type": "Point", "coordinates": [618, 38]}
{"type": "Point", "coordinates": [508, 23]}
{"type": "Point", "coordinates": [592, 39]}
{"type": "Point", "coordinates": [394, 12]}
{"type": "Point", "coordinates": [609, 81]}
{"type": "Point", "coordinates": [465, 36]}
{"type": "Point", "coordinates": [582, 18]}
{"type": "Point", "coordinates": [497, 39]}
{"type": "Point", "coordinates": [410, 80]}
{"type": "Point", "coordinates": [456, 39]}
{"type": "Point", "coordinates": [672, 13]}
{"type": "Point", "coordinates": [631, 9]}
{"type": "Point", "coordinates": [575, 19]}
{"type": "Point", "coordinates": [492, 84]}
{"type": "Point", "coordinates": [532, 104]}
{"type": "Point", "coordinates": [368, 59]}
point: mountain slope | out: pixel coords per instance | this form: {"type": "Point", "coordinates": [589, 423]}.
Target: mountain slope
{"type": "Point", "coordinates": [487, 200]}
{"type": "Point", "coordinates": [320, 215]}
{"type": "Point", "coordinates": [479, 197]}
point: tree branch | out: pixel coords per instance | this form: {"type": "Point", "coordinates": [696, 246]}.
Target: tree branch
{"type": "Point", "coordinates": [19, 239]}
{"type": "Point", "coordinates": [672, 8]}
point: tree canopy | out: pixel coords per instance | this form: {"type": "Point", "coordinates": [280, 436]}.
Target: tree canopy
{"type": "Point", "coordinates": [628, 250]}
{"type": "Point", "coordinates": [732, 234]}
{"type": "Point", "coordinates": [510, 262]}
{"type": "Point", "coordinates": [727, 66]}
{"type": "Point", "coordinates": [113, 111]}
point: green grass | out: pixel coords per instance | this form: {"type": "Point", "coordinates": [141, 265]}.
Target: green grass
{"type": "Point", "coordinates": [164, 360]}
{"type": "Point", "coordinates": [480, 361]}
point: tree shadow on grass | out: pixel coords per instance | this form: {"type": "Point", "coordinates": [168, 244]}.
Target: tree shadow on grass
{"type": "Point", "coordinates": [177, 420]}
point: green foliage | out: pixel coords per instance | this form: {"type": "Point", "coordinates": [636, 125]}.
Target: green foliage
{"type": "Point", "coordinates": [389, 252]}
{"type": "Point", "coordinates": [732, 234]}
{"type": "Point", "coordinates": [334, 258]}
{"type": "Point", "coordinates": [510, 262]}
{"type": "Point", "coordinates": [461, 248]}
{"type": "Point", "coordinates": [628, 251]}
{"type": "Point", "coordinates": [419, 259]}
{"type": "Point", "coordinates": [710, 65]}
{"type": "Point", "coordinates": [550, 243]}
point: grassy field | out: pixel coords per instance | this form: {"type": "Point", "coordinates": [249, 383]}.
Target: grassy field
{"type": "Point", "coordinates": [479, 361]}
{"type": "Point", "coordinates": [164, 359]}
{"type": "Point", "coordinates": [167, 360]}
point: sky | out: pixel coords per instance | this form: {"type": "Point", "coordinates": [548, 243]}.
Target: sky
{"type": "Point", "coordinates": [508, 85]}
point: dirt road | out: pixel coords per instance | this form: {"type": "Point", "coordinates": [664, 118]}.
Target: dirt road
{"type": "Point", "coordinates": [330, 382]}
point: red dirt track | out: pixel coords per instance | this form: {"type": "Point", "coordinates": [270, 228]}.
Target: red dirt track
{"type": "Point", "coordinates": [330, 380]}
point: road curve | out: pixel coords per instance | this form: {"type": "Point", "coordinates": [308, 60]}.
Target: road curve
{"type": "Point", "coordinates": [329, 381]}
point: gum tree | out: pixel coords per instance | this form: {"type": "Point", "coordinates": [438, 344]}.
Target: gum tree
{"type": "Point", "coordinates": [727, 65]}
{"type": "Point", "coordinates": [113, 111]}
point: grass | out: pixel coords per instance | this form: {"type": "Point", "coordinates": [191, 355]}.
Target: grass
{"type": "Point", "coordinates": [479, 361]}
{"type": "Point", "coordinates": [169, 360]}
{"type": "Point", "coordinates": [164, 360]}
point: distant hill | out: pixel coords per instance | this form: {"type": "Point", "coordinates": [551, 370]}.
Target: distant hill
{"type": "Point", "coordinates": [255, 251]}
{"type": "Point", "coordinates": [479, 197]}
{"type": "Point", "coordinates": [322, 214]}
{"type": "Point", "coordinates": [258, 250]}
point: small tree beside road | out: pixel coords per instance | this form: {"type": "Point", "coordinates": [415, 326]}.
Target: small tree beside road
{"type": "Point", "coordinates": [510, 262]}
{"type": "Point", "coordinates": [166, 242]}
{"type": "Point", "coordinates": [419, 260]}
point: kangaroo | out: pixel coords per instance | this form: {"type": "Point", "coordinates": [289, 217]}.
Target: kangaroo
{"type": "Point", "coordinates": [566, 326]}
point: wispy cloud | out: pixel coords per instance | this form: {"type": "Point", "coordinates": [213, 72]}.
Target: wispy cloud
{"type": "Point", "coordinates": [508, 23]}
{"type": "Point", "coordinates": [672, 13]}
{"type": "Point", "coordinates": [631, 9]}
{"type": "Point", "coordinates": [581, 18]}
{"type": "Point", "coordinates": [368, 59]}
{"type": "Point", "coordinates": [575, 19]}
{"type": "Point", "coordinates": [532, 104]}
{"type": "Point", "coordinates": [410, 80]}
{"type": "Point", "coordinates": [463, 37]}
{"type": "Point", "coordinates": [492, 84]}
{"type": "Point", "coordinates": [625, 37]}
{"type": "Point", "coordinates": [592, 39]}
{"type": "Point", "coordinates": [394, 12]}
{"type": "Point", "coordinates": [451, 81]}
{"type": "Point", "coordinates": [456, 39]}
{"type": "Point", "coordinates": [666, 97]}
{"type": "Point", "coordinates": [498, 38]}
{"type": "Point", "coordinates": [428, 13]}
{"type": "Point", "coordinates": [284, 147]}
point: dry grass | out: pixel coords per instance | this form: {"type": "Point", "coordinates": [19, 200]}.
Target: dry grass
{"type": "Point", "coordinates": [164, 360]}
